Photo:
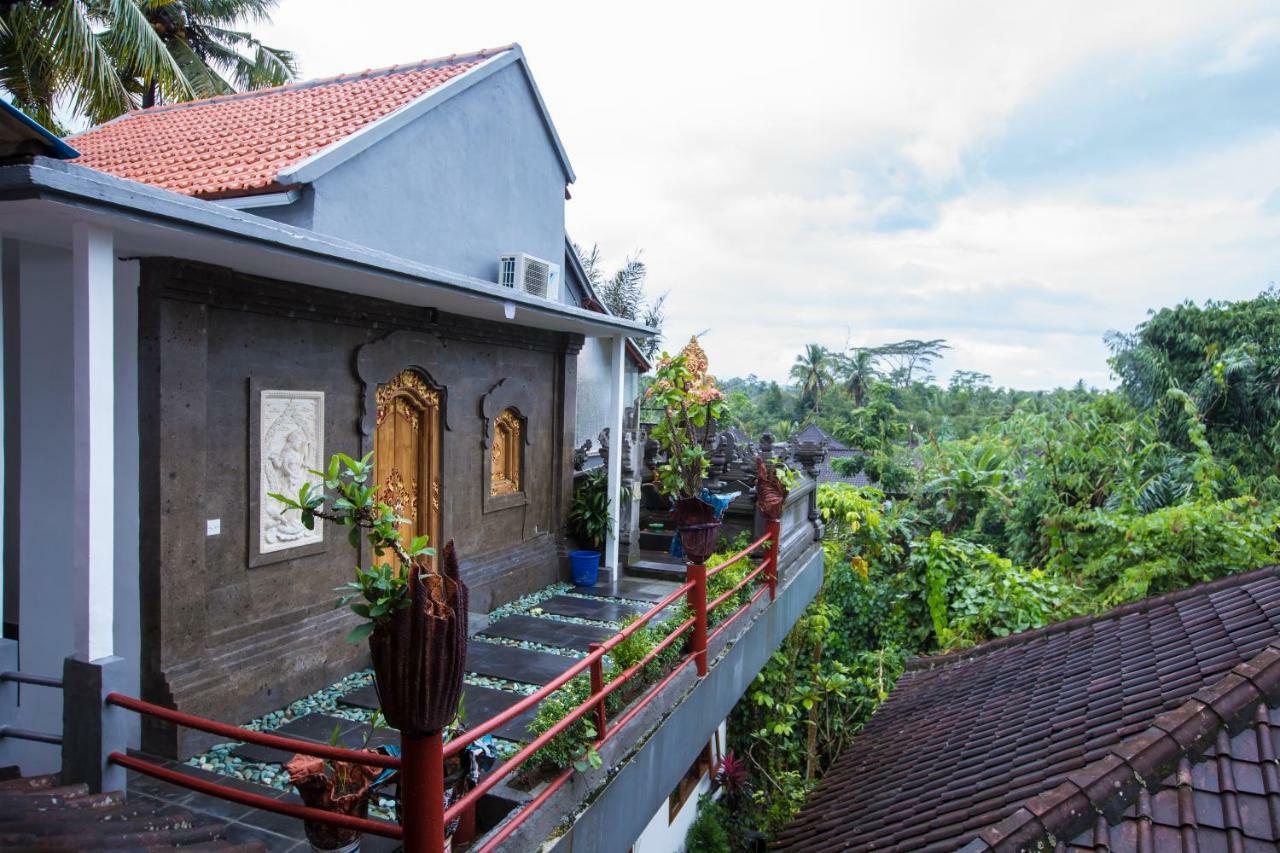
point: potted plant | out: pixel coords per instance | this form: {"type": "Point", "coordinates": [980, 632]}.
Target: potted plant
{"type": "Point", "coordinates": [335, 786]}
{"type": "Point", "coordinates": [589, 524]}
{"type": "Point", "coordinates": [690, 404]}
{"type": "Point", "coordinates": [414, 616]}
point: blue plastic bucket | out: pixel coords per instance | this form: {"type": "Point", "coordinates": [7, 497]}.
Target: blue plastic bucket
{"type": "Point", "coordinates": [586, 567]}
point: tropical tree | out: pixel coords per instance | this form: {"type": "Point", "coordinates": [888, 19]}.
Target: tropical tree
{"type": "Point", "coordinates": [859, 371]}
{"type": "Point", "coordinates": [95, 59]}
{"type": "Point", "coordinates": [911, 360]}
{"type": "Point", "coordinates": [813, 372]}
{"type": "Point", "coordinates": [624, 292]}
{"type": "Point", "coordinates": [215, 55]}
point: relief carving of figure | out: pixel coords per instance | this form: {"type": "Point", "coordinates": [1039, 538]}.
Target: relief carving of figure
{"type": "Point", "coordinates": [290, 449]}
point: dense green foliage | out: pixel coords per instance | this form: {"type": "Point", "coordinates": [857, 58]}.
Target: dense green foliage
{"type": "Point", "coordinates": [1000, 511]}
{"type": "Point", "coordinates": [96, 59]}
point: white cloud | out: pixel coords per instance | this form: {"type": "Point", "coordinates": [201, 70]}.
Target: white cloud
{"type": "Point", "coordinates": [801, 173]}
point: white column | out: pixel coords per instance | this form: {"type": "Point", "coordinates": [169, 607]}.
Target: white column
{"type": "Point", "coordinates": [617, 402]}
{"type": "Point", "coordinates": [92, 513]}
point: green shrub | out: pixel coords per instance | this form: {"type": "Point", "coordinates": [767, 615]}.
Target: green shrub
{"type": "Point", "coordinates": [589, 514]}
{"type": "Point", "coordinates": [974, 594]}
{"type": "Point", "coordinates": [708, 834]}
{"type": "Point", "coordinates": [1174, 547]}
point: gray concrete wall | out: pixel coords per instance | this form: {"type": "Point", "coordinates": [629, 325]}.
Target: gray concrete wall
{"type": "Point", "coordinates": [471, 179]}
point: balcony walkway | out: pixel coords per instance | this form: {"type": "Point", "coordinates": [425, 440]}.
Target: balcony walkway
{"type": "Point", "coordinates": [512, 652]}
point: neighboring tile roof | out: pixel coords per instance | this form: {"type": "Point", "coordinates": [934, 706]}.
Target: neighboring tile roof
{"type": "Point", "coordinates": [813, 432]}
{"type": "Point", "coordinates": [236, 144]}
{"type": "Point", "coordinates": [1038, 732]}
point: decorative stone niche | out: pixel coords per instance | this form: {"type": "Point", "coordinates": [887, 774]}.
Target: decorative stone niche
{"type": "Point", "coordinates": [505, 437]}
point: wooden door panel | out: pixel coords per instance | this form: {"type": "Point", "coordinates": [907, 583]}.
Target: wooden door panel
{"type": "Point", "coordinates": [407, 453]}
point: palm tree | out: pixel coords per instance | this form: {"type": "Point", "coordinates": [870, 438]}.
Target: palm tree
{"type": "Point", "coordinates": [99, 58]}
{"type": "Point", "coordinates": [812, 371]}
{"type": "Point", "coordinates": [216, 58]}
{"type": "Point", "coordinates": [860, 371]}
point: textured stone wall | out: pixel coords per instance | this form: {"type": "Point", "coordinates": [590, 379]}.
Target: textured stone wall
{"type": "Point", "coordinates": [230, 641]}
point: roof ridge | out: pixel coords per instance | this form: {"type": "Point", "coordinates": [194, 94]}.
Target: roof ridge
{"type": "Point", "coordinates": [348, 77]}
{"type": "Point", "coordinates": [1108, 785]}
{"type": "Point", "coordinates": [934, 662]}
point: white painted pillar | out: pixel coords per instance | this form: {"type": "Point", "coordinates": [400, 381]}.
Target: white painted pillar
{"type": "Point", "coordinates": [92, 512]}
{"type": "Point", "coordinates": [617, 403]}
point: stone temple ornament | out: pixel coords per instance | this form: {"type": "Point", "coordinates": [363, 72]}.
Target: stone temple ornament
{"type": "Point", "coordinates": [290, 446]}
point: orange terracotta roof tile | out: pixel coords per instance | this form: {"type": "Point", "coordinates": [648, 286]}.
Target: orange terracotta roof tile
{"type": "Point", "coordinates": [235, 145]}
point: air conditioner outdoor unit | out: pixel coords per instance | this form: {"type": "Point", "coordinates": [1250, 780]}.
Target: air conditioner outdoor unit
{"type": "Point", "coordinates": [531, 275]}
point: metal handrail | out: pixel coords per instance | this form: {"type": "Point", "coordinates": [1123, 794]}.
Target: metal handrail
{"type": "Point", "coordinates": [306, 747]}
{"type": "Point", "coordinates": [28, 678]}
{"type": "Point", "coordinates": [246, 798]}
{"type": "Point", "coordinates": [28, 734]}
{"type": "Point", "coordinates": [768, 568]}
{"type": "Point", "coordinates": [468, 737]}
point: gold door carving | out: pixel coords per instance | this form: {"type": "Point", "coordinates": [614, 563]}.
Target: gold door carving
{"type": "Point", "coordinates": [407, 453]}
{"type": "Point", "coordinates": [504, 462]}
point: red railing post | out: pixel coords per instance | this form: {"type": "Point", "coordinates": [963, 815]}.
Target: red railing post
{"type": "Point", "coordinates": [422, 793]}
{"type": "Point", "coordinates": [697, 574]}
{"type": "Point", "coordinates": [775, 546]}
{"type": "Point", "coordinates": [597, 685]}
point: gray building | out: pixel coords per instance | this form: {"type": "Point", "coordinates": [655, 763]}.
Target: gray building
{"type": "Point", "coordinates": [215, 296]}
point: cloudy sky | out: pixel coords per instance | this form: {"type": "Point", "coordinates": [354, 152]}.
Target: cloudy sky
{"type": "Point", "coordinates": [1017, 178]}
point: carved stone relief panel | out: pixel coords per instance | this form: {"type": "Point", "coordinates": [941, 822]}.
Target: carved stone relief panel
{"type": "Point", "coordinates": [289, 433]}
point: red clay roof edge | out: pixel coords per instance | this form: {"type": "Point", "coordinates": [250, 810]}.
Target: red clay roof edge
{"type": "Point", "coordinates": [369, 73]}
{"type": "Point", "coordinates": [933, 662]}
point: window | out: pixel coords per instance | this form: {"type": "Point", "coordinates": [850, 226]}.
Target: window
{"type": "Point", "coordinates": [700, 767]}
{"type": "Point", "coordinates": [505, 462]}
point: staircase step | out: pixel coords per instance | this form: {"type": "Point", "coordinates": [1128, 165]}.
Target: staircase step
{"type": "Point", "coordinates": [653, 540]}
{"type": "Point", "coordinates": [660, 569]}
{"type": "Point", "coordinates": [30, 783]}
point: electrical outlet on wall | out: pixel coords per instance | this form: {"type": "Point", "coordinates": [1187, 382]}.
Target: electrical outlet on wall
{"type": "Point", "coordinates": [213, 527]}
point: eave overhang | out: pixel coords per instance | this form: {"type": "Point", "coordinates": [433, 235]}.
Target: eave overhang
{"type": "Point", "coordinates": [41, 199]}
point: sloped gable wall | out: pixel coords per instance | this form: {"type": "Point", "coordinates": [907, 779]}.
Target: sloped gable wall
{"type": "Point", "coordinates": [471, 179]}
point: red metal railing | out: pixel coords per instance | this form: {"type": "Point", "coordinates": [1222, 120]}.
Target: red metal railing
{"type": "Point", "coordinates": [695, 592]}
{"type": "Point", "coordinates": [423, 815]}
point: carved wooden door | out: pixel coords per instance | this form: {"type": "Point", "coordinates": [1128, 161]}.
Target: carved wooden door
{"type": "Point", "coordinates": [407, 453]}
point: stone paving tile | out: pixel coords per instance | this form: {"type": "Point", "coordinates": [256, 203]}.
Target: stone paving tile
{"type": "Point", "coordinates": [584, 608]}
{"type": "Point", "coordinates": [513, 664]}
{"type": "Point", "coordinates": [240, 833]}
{"type": "Point", "coordinates": [484, 703]}
{"type": "Point", "coordinates": [548, 632]}
{"type": "Point", "coordinates": [312, 727]}
{"type": "Point", "coordinates": [364, 697]}
{"type": "Point", "coordinates": [478, 703]}
{"type": "Point", "coordinates": [648, 591]}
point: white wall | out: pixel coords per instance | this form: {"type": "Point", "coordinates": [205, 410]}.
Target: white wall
{"type": "Point", "coordinates": [665, 834]}
{"type": "Point", "coordinates": [45, 485]}
{"type": "Point", "coordinates": [594, 362]}
{"type": "Point", "coordinates": [42, 453]}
